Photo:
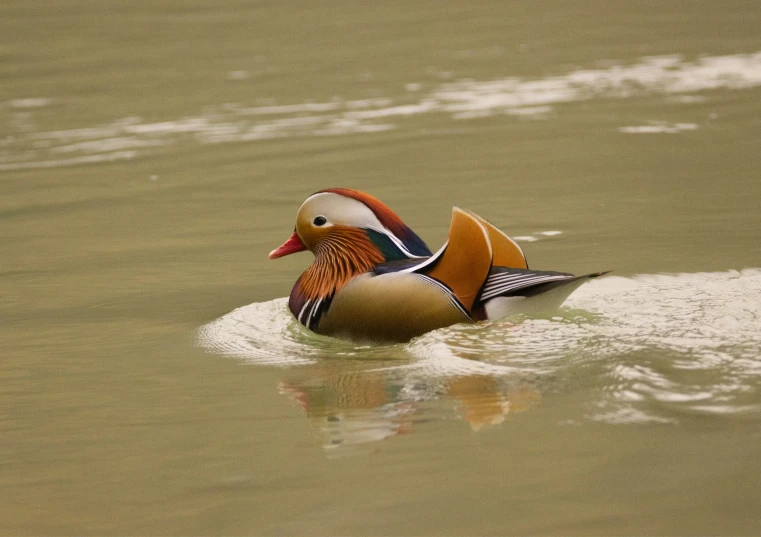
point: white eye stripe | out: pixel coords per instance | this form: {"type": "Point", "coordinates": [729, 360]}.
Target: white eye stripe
{"type": "Point", "coordinates": [343, 211]}
{"type": "Point", "coordinates": [339, 210]}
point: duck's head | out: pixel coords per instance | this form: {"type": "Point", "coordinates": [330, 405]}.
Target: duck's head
{"type": "Point", "coordinates": [340, 220]}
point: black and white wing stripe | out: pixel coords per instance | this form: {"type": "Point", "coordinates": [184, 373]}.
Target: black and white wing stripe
{"type": "Point", "coordinates": [452, 298]}
{"type": "Point", "coordinates": [311, 312]}
{"type": "Point", "coordinates": [510, 281]}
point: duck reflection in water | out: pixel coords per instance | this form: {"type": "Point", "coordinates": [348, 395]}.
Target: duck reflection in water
{"type": "Point", "coordinates": [349, 409]}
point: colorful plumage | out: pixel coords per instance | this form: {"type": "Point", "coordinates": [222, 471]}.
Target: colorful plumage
{"type": "Point", "coordinates": [373, 279]}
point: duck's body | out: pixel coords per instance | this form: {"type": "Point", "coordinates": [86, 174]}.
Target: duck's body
{"type": "Point", "coordinates": [374, 279]}
{"type": "Point", "coordinates": [390, 307]}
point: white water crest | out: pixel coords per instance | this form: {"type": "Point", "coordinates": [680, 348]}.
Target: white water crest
{"type": "Point", "coordinates": [261, 333]}
{"type": "Point", "coordinates": [29, 145]}
{"type": "Point", "coordinates": [658, 127]}
{"type": "Point", "coordinates": [652, 344]}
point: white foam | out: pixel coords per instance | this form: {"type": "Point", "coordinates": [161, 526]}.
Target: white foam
{"type": "Point", "coordinates": [75, 161]}
{"type": "Point", "coordinates": [262, 333]}
{"type": "Point", "coordinates": [659, 127]}
{"type": "Point", "coordinates": [31, 102]}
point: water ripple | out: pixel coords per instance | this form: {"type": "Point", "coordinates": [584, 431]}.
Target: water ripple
{"type": "Point", "coordinates": [30, 146]}
{"type": "Point", "coordinates": [651, 348]}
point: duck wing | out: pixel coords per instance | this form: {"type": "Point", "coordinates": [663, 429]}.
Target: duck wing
{"type": "Point", "coordinates": [506, 281]}
{"type": "Point", "coordinates": [509, 291]}
{"type": "Point", "coordinates": [506, 252]}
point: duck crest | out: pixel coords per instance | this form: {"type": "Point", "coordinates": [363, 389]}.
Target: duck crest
{"type": "Point", "coordinates": [344, 253]}
{"type": "Point", "coordinates": [390, 220]}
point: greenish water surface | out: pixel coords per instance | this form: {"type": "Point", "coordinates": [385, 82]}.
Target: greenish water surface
{"type": "Point", "coordinates": [153, 153]}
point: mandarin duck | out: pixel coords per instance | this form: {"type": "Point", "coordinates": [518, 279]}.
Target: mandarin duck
{"type": "Point", "coordinates": [373, 279]}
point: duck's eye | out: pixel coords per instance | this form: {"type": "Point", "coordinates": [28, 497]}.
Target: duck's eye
{"type": "Point", "coordinates": [320, 221]}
